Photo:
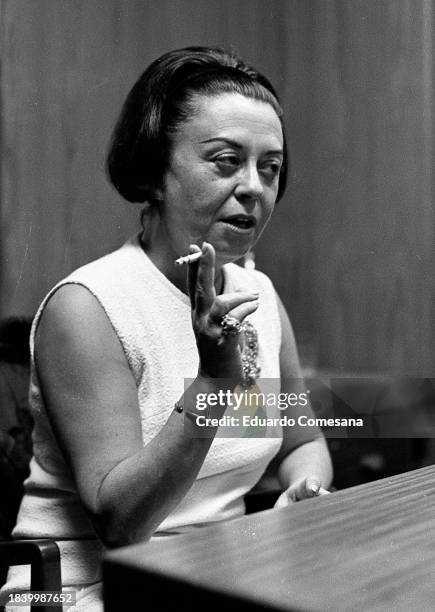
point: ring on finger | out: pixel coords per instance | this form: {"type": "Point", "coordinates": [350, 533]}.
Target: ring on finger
{"type": "Point", "coordinates": [230, 326]}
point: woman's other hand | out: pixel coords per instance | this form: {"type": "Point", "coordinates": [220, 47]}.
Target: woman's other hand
{"type": "Point", "coordinates": [302, 489]}
{"type": "Point", "coordinates": [219, 353]}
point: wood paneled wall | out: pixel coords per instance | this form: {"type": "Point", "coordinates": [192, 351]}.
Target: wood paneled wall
{"type": "Point", "coordinates": [356, 244]}
{"type": "Point", "coordinates": [350, 248]}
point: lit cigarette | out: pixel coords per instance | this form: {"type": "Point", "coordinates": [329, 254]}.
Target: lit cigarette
{"type": "Point", "coordinates": [187, 259]}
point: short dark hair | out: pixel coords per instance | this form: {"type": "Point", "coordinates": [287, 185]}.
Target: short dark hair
{"type": "Point", "coordinates": [161, 100]}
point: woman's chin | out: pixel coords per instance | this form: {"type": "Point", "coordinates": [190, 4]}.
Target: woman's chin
{"type": "Point", "coordinates": [224, 257]}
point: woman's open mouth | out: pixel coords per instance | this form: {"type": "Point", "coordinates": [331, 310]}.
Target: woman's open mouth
{"type": "Point", "coordinates": [242, 224]}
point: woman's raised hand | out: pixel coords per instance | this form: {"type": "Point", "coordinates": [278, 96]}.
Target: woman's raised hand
{"type": "Point", "coordinates": [219, 353]}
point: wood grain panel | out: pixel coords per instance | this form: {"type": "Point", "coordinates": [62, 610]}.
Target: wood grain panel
{"type": "Point", "coordinates": [357, 271]}
{"type": "Point", "coordinates": [372, 231]}
{"type": "Point", "coordinates": [364, 548]}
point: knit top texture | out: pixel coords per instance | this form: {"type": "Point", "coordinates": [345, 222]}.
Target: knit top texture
{"type": "Point", "coordinates": [152, 319]}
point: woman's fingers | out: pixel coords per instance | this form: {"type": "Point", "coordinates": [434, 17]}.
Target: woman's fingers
{"type": "Point", "coordinates": [238, 305]}
{"type": "Point", "coordinates": [323, 491]}
{"type": "Point", "coordinates": [204, 288]}
{"type": "Point", "coordinates": [311, 488]}
{"type": "Point", "coordinates": [219, 348]}
{"type": "Point", "coordinates": [314, 488]}
{"type": "Point", "coordinates": [192, 272]}
{"type": "Point", "coordinates": [283, 501]}
{"type": "Point", "coordinates": [202, 292]}
{"type": "Point", "coordinates": [302, 489]}
{"type": "Point", "coordinates": [244, 310]}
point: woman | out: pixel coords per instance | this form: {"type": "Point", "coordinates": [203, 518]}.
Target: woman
{"type": "Point", "coordinates": [119, 457]}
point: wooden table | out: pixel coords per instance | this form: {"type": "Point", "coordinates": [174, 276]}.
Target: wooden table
{"type": "Point", "coordinates": [371, 547]}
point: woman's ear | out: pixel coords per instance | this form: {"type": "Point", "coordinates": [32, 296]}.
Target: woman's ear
{"type": "Point", "coordinates": [152, 195]}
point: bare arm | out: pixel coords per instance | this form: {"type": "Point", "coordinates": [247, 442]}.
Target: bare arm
{"type": "Point", "coordinates": [304, 464]}
{"type": "Point", "coordinates": [91, 399]}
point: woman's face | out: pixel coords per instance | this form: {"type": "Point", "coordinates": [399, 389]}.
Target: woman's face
{"type": "Point", "coordinates": [222, 180]}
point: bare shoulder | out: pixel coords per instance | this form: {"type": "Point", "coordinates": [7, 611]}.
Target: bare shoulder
{"type": "Point", "coordinates": [88, 388]}
{"type": "Point", "coordinates": [74, 321]}
{"type": "Point", "coordinates": [71, 305]}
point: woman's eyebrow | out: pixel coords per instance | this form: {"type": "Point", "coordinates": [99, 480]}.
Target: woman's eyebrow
{"type": "Point", "coordinates": [237, 145]}
{"type": "Point", "coordinates": [222, 139]}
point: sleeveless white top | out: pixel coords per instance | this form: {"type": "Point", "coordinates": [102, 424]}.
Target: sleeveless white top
{"type": "Point", "coordinates": [152, 320]}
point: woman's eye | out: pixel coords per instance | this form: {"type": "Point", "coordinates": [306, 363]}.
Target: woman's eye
{"type": "Point", "coordinates": [227, 162]}
{"type": "Point", "coordinates": [271, 169]}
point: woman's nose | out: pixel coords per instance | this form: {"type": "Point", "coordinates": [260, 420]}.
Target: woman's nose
{"type": "Point", "coordinates": [250, 185]}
